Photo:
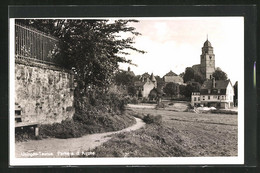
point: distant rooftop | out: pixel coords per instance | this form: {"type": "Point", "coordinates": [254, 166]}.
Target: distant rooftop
{"type": "Point", "coordinates": [171, 73]}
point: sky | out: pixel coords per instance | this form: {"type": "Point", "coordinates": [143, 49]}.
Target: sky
{"type": "Point", "coordinates": [175, 43]}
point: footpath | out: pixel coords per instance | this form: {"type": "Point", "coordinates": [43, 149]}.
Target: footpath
{"type": "Point", "coordinates": [72, 147]}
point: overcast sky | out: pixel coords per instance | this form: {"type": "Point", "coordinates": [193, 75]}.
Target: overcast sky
{"type": "Point", "coordinates": [175, 43]}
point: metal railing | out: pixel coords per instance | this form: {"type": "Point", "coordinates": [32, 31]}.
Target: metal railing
{"type": "Point", "coordinates": [35, 45]}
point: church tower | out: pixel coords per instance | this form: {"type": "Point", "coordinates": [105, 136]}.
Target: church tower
{"type": "Point", "coordinates": [207, 60]}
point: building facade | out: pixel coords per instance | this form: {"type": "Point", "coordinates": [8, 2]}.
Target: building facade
{"type": "Point", "coordinates": [213, 93]}
{"type": "Point", "coordinates": [145, 84]}
{"type": "Point", "coordinates": [172, 77]}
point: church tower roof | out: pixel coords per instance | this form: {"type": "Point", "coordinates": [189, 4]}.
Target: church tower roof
{"type": "Point", "coordinates": [207, 44]}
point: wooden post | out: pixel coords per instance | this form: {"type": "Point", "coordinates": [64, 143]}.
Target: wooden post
{"type": "Point", "coordinates": [36, 130]}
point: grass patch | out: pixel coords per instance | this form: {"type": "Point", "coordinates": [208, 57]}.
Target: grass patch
{"type": "Point", "coordinates": [75, 128]}
{"type": "Point", "coordinates": [222, 111]}
{"type": "Point", "coordinates": [25, 134]}
{"type": "Point", "coordinates": [152, 141]}
{"type": "Point", "coordinates": [181, 134]}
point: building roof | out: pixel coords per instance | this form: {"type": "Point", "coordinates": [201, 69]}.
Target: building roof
{"type": "Point", "coordinates": [145, 75]}
{"type": "Point", "coordinates": [220, 87]}
{"type": "Point", "coordinates": [220, 84]}
{"type": "Point", "coordinates": [152, 78]}
{"type": "Point", "coordinates": [207, 44]}
{"type": "Point", "coordinates": [171, 73]}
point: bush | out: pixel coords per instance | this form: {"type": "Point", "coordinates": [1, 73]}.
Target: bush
{"type": "Point", "coordinates": [144, 100]}
{"type": "Point", "coordinates": [218, 111]}
{"type": "Point", "coordinates": [138, 115]}
{"type": "Point", "coordinates": [160, 105]}
{"type": "Point", "coordinates": [133, 100]}
{"type": "Point", "coordinates": [63, 130]}
{"type": "Point", "coordinates": [149, 119]}
{"type": "Point", "coordinates": [95, 111]}
{"type": "Point", "coordinates": [25, 134]}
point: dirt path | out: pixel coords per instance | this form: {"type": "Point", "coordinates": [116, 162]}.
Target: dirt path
{"type": "Point", "coordinates": [53, 147]}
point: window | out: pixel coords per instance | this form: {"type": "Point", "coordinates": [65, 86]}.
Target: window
{"type": "Point", "coordinates": [194, 98]}
{"type": "Point", "coordinates": [198, 98]}
{"type": "Point", "coordinates": [203, 97]}
{"type": "Point", "coordinates": [218, 97]}
{"type": "Point", "coordinates": [208, 97]}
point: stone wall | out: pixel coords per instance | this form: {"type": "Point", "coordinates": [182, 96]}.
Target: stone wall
{"type": "Point", "coordinates": [44, 92]}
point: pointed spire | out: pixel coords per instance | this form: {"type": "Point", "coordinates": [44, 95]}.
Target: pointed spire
{"type": "Point", "coordinates": [152, 78]}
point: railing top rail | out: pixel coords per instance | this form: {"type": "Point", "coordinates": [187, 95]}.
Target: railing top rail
{"type": "Point", "coordinates": [37, 32]}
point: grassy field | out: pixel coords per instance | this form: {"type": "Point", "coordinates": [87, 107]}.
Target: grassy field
{"type": "Point", "coordinates": [180, 134]}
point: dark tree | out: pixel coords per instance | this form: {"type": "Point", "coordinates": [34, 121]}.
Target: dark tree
{"type": "Point", "coordinates": [189, 88]}
{"type": "Point", "coordinates": [198, 78]}
{"type": "Point", "coordinates": [219, 74]}
{"type": "Point", "coordinates": [181, 74]}
{"type": "Point", "coordinates": [188, 75]}
{"type": "Point", "coordinates": [93, 48]}
{"type": "Point", "coordinates": [235, 94]}
{"type": "Point", "coordinates": [124, 78]}
{"type": "Point", "coordinates": [153, 94]}
{"type": "Point", "coordinates": [131, 90]}
{"type": "Point", "coordinates": [171, 89]}
{"type": "Point", "coordinates": [182, 89]}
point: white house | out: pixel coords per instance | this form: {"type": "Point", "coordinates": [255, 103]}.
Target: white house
{"type": "Point", "coordinates": [218, 94]}
{"type": "Point", "coordinates": [145, 85]}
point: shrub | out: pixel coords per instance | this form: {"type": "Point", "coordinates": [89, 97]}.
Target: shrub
{"type": "Point", "coordinates": [138, 115]}
{"type": "Point", "coordinates": [218, 111]}
{"type": "Point", "coordinates": [134, 100]}
{"type": "Point", "coordinates": [149, 119]}
{"type": "Point", "coordinates": [160, 105]}
{"type": "Point", "coordinates": [144, 100]}
{"type": "Point", "coordinates": [63, 130]}
{"type": "Point", "coordinates": [25, 134]}
{"type": "Point", "coordinates": [95, 111]}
